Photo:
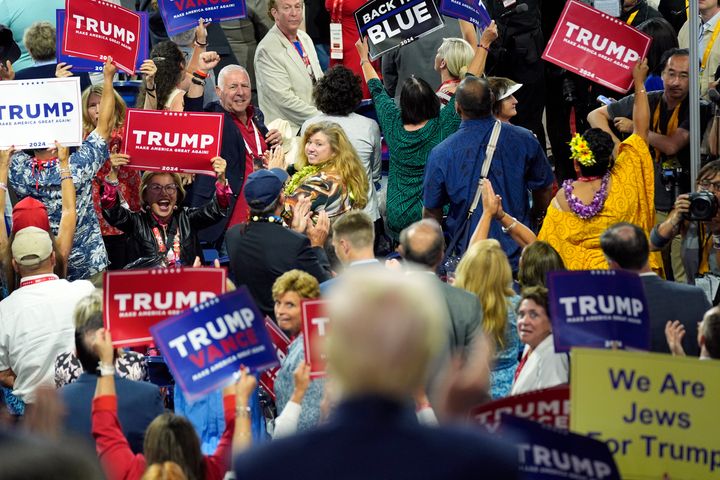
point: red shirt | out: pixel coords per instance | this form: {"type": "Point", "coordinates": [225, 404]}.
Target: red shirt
{"type": "Point", "coordinates": [248, 129]}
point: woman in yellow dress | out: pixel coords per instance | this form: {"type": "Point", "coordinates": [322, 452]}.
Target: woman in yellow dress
{"type": "Point", "coordinates": [615, 184]}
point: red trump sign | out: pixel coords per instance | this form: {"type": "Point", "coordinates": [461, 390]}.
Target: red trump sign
{"type": "Point", "coordinates": [315, 329]}
{"type": "Point", "coordinates": [172, 141]}
{"type": "Point", "coordinates": [281, 343]}
{"type": "Point", "coordinates": [596, 46]}
{"type": "Point", "coordinates": [135, 300]}
{"type": "Point", "coordinates": [550, 406]}
{"type": "Point", "coordinates": [95, 29]}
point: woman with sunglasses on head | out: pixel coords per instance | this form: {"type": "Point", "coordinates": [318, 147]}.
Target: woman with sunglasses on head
{"type": "Point", "coordinates": [164, 233]}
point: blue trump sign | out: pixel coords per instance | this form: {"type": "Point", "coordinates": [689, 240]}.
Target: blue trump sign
{"type": "Point", "coordinates": [87, 65]}
{"type": "Point", "coordinates": [206, 345]}
{"type": "Point", "coordinates": [598, 308]}
{"type": "Point", "coordinates": [472, 11]}
{"type": "Point", "coordinates": [549, 454]}
{"type": "Point", "coordinates": [181, 15]}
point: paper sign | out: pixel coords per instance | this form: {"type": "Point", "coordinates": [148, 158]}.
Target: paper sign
{"type": "Point", "coordinates": [472, 11]}
{"type": "Point", "coordinates": [85, 65]}
{"type": "Point", "coordinates": [549, 406]}
{"type": "Point", "coordinates": [390, 25]}
{"type": "Point", "coordinates": [135, 300]}
{"type": "Point", "coordinates": [205, 346]}
{"type": "Point", "coordinates": [35, 113]}
{"type": "Point", "coordinates": [657, 413]}
{"type": "Point", "coordinates": [281, 343]}
{"type": "Point", "coordinates": [96, 29]}
{"type": "Point", "coordinates": [172, 141]}
{"type": "Point", "coordinates": [181, 15]}
{"type": "Point", "coordinates": [315, 328]}
{"type": "Point", "coordinates": [598, 308]}
{"type": "Point", "coordinates": [546, 453]}
{"type": "Point", "coordinates": [596, 46]}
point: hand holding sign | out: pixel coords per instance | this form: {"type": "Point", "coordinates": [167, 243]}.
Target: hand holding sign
{"type": "Point", "coordinates": [5, 155]}
{"type": "Point", "coordinates": [63, 154]}
{"type": "Point", "coordinates": [117, 160]}
{"type": "Point", "coordinates": [219, 164]}
{"type": "Point", "coordinates": [489, 35]}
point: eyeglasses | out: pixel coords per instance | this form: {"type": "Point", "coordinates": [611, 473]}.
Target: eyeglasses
{"type": "Point", "coordinates": [708, 185]}
{"type": "Point", "coordinates": [156, 188]}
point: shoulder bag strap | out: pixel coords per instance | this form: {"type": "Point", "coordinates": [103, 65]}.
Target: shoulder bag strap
{"type": "Point", "coordinates": [489, 153]}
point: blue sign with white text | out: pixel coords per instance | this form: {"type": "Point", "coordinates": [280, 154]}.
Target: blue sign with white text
{"type": "Point", "coordinates": [546, 453]}
{"type": "Point", "coordinates": [598, 309]}
{"type": "Point", "coordinates": [206, 345]}
{"type": "Point", "coordinates": [472, 11]}
{"type": "Point", "coordinates": [87, 65]}
{"type": "Point", "coordinates": [181, 15]}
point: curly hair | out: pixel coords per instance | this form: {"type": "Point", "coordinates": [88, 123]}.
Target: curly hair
{"type": "Point", "coordinates": [170, 63]}
{"type": "Point", "coordinates": [302, 283]}
{"type": "Point", "coordinates": [338, 92]}
{"type": "Point", "coordinates": [484, 270]}
{"type": "Point", "coordinates": [39, 40]}
{"type": "Point", "coordinates": [120, 108]}
{"type": "Point", "coordinates": [601, 144]}
{"type": "Point", "coordinates": [344, 160]}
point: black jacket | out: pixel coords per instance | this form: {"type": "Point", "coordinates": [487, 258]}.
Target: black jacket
{"type": "Point", "coordinates": [185, 222]}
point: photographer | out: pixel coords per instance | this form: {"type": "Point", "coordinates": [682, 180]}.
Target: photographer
{"type": "Point", "coordinates": [695, 216]}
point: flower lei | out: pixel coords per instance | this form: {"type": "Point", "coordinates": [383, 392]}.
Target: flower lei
{"type": "Point", "coordinates": [298, 177]}
{"type": "Point", "coordinates": [598, 202]}
{"type": "Point", "coordinates": [580, 151]}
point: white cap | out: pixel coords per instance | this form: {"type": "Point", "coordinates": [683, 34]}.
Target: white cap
{"type": "Point", "coordinates": [510, 91]}
{"type": "Point", "coordinates": [31, 246]}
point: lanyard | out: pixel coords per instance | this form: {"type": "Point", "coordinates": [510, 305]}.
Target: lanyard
{"type": "Point", "coordinates": [306, 60]}
{"type": "Point", "coordinates": [709, 47]}
{"type": "Point", "coordinates": [257, 141]}
{"type": "Point", "coordinates": [161, 243]}
{"type": "Point", "coordinates": [632, 17]}
{"type": "Point", "coordinates": [671, 126]}
{"type": "Point", "coordinates": [520, 366]}
{"type": "Point", "coordinates": [44, 278]}
{"type": "Point", "coordinates": [337, 13]}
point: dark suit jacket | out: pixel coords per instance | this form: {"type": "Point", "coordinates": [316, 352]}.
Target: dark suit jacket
{"type": "Point", "coordinates": [261, 252]}
{"type": "Point", "coordinates": [465, 315]}
{"type": "Point", "coordinates": [374, 438]}
{"type": "Point", "coordinates": [138, 404]}
{"type": "Point", "coordinates": [48, 71]}
{"type": "Point", "coordinates": [674, 301]}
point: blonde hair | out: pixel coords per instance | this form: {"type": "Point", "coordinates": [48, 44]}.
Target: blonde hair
{"type": "Point", "coordinates": [457, 54]}
{"type": "Point", "coordinates": [39, 40]}
{"type": "Point", "coordinates": [344, 161]}
{"type": "Point", "coordinates": [387, 327]}
{"type": "Point", "coordinates": [120, 108]}
{"type": "Point", "coordinates": [485, 271]}
{"type": "Point", "coordinates": [87, 307]}
{"type": "Point", "coordinates": [302, 283]}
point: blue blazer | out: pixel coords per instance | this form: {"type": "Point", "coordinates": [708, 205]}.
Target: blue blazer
{"type": "Point", "coordinates": [138, 404]}
{"type": "Point", "coordinates": [48, 71]}
{"type": "Point", "coordinates": [376, 438]}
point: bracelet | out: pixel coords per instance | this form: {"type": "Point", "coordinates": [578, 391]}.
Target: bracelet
{"type": "Point", "coordinates": [199, 44]}
{"type": "Point", "coordinates": [66, 177]}
{"type": "Point", "coordinates": [242, 411]}
{"type": "Point", "coordinates": [106, 369]}
{"type": "Point", "coordinates": [112, 183]}
{"type": "Point", "coordinates": [3, 186]}
{"type": "Point", "coordinates": [197, 81]}
{"type": "Point", "coordinates": [200, 74]}
{"type": "Point", "coordinates": [64, 170]}
{"type": "Point", "coordinates": [487, 49]}
{"type": "Point", "coordinates": [511, 226]}
{"type": "Point", "coordinates": [150, 89]}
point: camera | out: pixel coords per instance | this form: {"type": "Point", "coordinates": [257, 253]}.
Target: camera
{"type": "Point", "coordinates": [703, 206]}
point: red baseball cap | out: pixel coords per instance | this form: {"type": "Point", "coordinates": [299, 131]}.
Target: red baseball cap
{"type": "Point", "coordinates": [30, 212]}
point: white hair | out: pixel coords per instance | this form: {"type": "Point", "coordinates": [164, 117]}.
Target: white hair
{"type": "Point", "coordinates": [230, 69]}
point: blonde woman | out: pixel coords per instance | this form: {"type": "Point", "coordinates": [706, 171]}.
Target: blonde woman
{"type": "Point", "coordinates": [485, 271]}
{"type": "Point", "coordinates": [452, 60]}
{"type": "Point", "coordinates": [328, 172]}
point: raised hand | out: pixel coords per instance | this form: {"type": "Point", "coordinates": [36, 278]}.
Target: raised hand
{"type": "Point", "coordinates": [62, 70]}
{"type": "Point", "coordinates": [674, 333]}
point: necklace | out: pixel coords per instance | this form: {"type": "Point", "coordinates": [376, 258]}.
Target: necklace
{"type": "Point", "coordinates": [299, 176]}
{"type": "Point", "coordinates": [598, 202]}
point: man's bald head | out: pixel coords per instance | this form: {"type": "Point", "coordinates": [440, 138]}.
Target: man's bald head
{"type": "Point", "coordinates": [423, 243]}
{"type": "Point", "coordinates": [627, 245]}
{"type": "Point", "coordinates": [474, 98]}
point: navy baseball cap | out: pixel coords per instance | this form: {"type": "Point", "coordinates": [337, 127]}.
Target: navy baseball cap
{"type": "Point", "coordinates": [263, 187]}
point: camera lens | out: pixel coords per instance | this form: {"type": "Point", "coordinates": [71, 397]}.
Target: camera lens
{"type": "Point", "coordinates": [703, 206]}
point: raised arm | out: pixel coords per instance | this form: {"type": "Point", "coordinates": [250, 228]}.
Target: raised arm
{"type": "Point", "coordinates": [641, 108]}
{"type": "Point", "coordinates": [364, 52]}
{"type": "Point", "coordinates": [199, 46]}
{"type": "Point", "coordinates": [243, 389]}
{"type": "Point", "coordinates": [149, 69]}
{"type": "Point", "coordinates": [477, 65]}
{"type": "Point", "coordinates": [68, 218]}
{"type": "Point", "coordinates": [206, 62]}
{"type": "Point", "coordinates": [107, 101]}
{"type": "Point", "coordinates": [600, 118]}
{"type": "Point", "coordinates": [469, 33]}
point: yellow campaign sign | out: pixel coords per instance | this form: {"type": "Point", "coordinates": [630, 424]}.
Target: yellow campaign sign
{"type": "Point", "coordinates": [657, 414]}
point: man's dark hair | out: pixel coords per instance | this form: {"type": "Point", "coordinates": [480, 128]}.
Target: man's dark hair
{"type": "Point", "coordinates": [265, 211]}
{"type": "Point", "coordinates": [474, 97]}
{"type": "Point", "coordinates": [627, 245]}
{"type": "Point", "coordinates": [338, 92]}
{"type": "Point", "coordinates": [418, 101]}
{"type": "Point", "coordinates": [673, 52]}
{"type": "Point", "coordinates": [88, 358]}
{"type": "Point", "coordinates": [434, 249]}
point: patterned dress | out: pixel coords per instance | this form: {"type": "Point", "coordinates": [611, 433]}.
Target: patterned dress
{"type": "Point", "coordinates": [42, 181]}
{"type": "Point", "coordinates": [506, 360]}
{"type": "Point", "coordinates": [327, 192]}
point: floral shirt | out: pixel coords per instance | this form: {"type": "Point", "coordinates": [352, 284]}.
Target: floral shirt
{"type": "Point", "coordinates": [27, 178]}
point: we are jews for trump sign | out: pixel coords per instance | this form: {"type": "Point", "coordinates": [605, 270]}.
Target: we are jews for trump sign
{"type": "Point", "coordinates": [472, 11]}
{"type": "Point", "coordinates": [85, 65]}
{"type": "Point", "coordinates": [181, 15]}
{"type": "Point", "coordinates": [206, 346]}
{"type": "Point", "coordinates": [96, 30]}
{"type": "Point", "coordinates": [596, 46]}
{"type": "Point", "coordinates": [598, 308]}
{"type": "Point", "coordinates": [35, 113]}
{"type": "Point", "coordinates": [281, 343]}
{"type": "Point", "coordinates": [135, 300]}
{"type": "Point", "coordinates": [315, 328]}
{"type": "Point", "coordinates": [172, 141]}
{"type": "Point", "coordinates": [390, 24]}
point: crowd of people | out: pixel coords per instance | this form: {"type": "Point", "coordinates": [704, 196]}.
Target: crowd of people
{"type": "Point", "coordinates": [424, 195]}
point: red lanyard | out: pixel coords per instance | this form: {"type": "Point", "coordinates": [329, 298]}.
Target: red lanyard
{"type": "Point", "coordinates": [161, 243]}
{"type": "Point", "coordinates": [337, 14]}
{"type": "Point", "coordinates": [305, 58]}
{"type": "Point", "coordinates": [44, 278]}
{"type": "Point", "coordinates": [520, 366]}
